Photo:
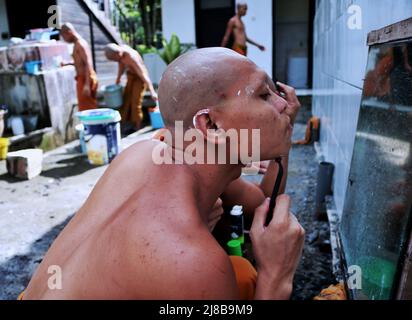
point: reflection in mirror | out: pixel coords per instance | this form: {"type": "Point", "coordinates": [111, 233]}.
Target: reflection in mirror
{"type": "Point", "coordinates": [375, 225]}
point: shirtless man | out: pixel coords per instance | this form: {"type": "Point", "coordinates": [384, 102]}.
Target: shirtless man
{"type": "Point", "coordinates": [137, 82]}
{"type": "Point", "coordinates": [85, 75]}
{"type": "Point", "coordinates": [143, 232]}
{"type": "Point", "coordinates": [236, 27]}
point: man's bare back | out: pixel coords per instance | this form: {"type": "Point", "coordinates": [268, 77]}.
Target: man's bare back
{"type": "Point", "coordinates": [132, 60]}
{"type": "Point", "coordinates": [119, 233]}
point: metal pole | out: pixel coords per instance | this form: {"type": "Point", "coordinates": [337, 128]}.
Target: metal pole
{"type": "Point", "coordinates": [92, 40]}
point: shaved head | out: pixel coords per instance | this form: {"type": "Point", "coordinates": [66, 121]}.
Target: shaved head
{"type": "Point", "coordinates": [112, 51]}
{"type": "Point", "coordinates": [68, 32]}
{"type": "Point", "coordinates": [67, 27]}
{"type": "Point", "coordinates": [217, 89]}
{"type": "Point", "coordinates": [198, 80]}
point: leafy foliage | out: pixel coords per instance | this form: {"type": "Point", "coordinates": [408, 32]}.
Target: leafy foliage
{"type": "Point", "coordinates": [172, 49]}
{"type": "Point", "coordinates": [145, 14]}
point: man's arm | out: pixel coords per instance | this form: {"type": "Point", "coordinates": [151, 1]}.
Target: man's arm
{"type": "Point", "coordinates": [250, 195]}
{"type": "Point", "coordinates": [120, 72]}
{"type": "Point", "coordinates": [86, 60]}
{"type": "Point", "coordinates": [139, 69]}
{"type": "Point", "coordinates": [229, 29]}
{"type": "Point", "coordinates": [262, 48]}
{"type": "Point", "coordinates": [65, 64]}
{"type": "Point", "coordinates": [277, 249]}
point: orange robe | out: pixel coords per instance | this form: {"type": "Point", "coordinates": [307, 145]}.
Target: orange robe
{"type": "Point", "coordinates": [240, 49]}
{"type": "Point", "coordinates": [131, 110]}
{"type": "Point", "coordinates": [84, 102]}
{"type": "Point", "coordinates": [246, 277]}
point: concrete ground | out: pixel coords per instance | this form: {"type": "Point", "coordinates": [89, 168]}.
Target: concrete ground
{"type": "Point", "coordinates": [34, 212]}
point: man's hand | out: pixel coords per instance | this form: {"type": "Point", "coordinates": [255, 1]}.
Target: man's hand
{"type": "Point", "coordinates": [65, 64]}
{"type": "Point", "coordinates": [289, 94]}
{"type": "Point", "coordinates": [86, 91]}
{"type": "Point", "coordinates": [215, 215]}
{"type": "Point", "coordinates": [277, 248]}
{"type": "Point", "coordinates": [154, 96]}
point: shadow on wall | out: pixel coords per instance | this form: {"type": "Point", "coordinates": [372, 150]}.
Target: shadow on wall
{"type": "Point", "coordinates": [17, 271]}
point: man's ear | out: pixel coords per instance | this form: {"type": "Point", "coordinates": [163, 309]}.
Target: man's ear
{"type": "Point", "coordinates": [206, 124]}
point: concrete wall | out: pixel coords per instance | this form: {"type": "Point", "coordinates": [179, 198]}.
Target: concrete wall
{"type": "Point", "coordinates": [178, 16]}
{"type": "Point", "coordinates": [4, 24]}
{"type": "Point", "coordinates": [340, 57]}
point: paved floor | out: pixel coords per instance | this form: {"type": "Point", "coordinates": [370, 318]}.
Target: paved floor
{"type": "Point", "coordinates": [34, 212]}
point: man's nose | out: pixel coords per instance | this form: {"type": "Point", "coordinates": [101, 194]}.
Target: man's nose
{"type": "Point", "coordinates": [281, 104]}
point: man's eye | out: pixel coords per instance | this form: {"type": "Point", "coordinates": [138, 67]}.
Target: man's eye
{"type": "Point", "coordinates": [265, 96]}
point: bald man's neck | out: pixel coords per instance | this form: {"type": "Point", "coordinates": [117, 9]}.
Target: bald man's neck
{"type": "Point", "coordinates": [211, 177]}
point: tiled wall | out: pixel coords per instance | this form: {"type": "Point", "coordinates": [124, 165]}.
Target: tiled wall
{"type": "Point", "coordinates": [340, 57]}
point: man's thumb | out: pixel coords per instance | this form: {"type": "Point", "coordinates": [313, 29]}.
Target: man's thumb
{"type": "Point", "coordinates": [260, 215]}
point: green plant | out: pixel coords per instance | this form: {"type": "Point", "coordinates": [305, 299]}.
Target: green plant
{"type": "Point", "coordinates": [143, 49]}
{"type": "Point", "coordinates": [172, 49]}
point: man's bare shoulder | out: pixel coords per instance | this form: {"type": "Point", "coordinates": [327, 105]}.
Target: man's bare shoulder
{"type": "Point", "coordinates": [233, 21]}
{"type": "Point", "coordinates": [81, 44]}
{"type": "Point", "coordinates": [188, 264]}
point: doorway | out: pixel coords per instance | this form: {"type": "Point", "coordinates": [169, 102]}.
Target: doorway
{"type": "Point", "coordinates": [212, 17]}
{"type": "Point", "coordinates": [293, 41]}
{"type": "Point", "coordinates": [27, 15]}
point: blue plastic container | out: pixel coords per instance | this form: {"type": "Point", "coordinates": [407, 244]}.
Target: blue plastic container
{"type": "Point", "coordinates": [32, 67]}
{"type": "Point", "coordinates": [156, 119]}
{"type": "Point", "coordinates": [80, 131]}
{"type": "Point", "coordinates": [101, 134]}
{"type": "Point", "coordinates": [113, 96]}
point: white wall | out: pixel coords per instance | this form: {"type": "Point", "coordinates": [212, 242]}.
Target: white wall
{"type": "Point", "coordinates": [178, 16]}
{"type": "Point", "coordinates": [339, 66]}
{"type": "Point", "coordinates": [258, 22]}
{"type": "Point", "coordinates": [4, 24]}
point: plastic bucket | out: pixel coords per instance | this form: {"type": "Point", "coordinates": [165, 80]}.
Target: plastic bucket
{"type": "Point", "coordinates": [32, 67]}
{"type": "Point", "coordinates": [101, 134]}
{"type": "Point", "coordinates": [156, 119]}
{"type": "Point", "coordinates": [378, 276]}
{"type": "Point", "coordinates": [113, 96]}
{"type": "Point", "coordinates": [17, 125]}
{"type": "Point", "coordinates": [4, 147]}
